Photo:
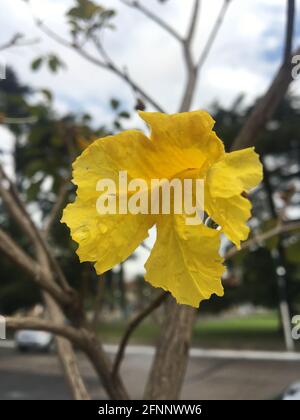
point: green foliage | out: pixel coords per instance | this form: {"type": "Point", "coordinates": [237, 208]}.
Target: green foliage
{"type": "Point", "coordinates": [53, 62]}
{"type": "Point", "coordinates": [13, 99]}
{"type": "Point", "coordinates": [85, 9]}
{"type": "Point", "coordinates": [86, 17]}
{"type": "Point", "coordinates": [36, 63]}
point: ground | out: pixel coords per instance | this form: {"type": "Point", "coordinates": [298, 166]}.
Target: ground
{"type": "Point", "coordinates": [38, 376]}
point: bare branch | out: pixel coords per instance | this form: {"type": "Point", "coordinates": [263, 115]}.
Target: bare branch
{"type": "Point", "coordinates": [192, 71]}
{"type": "Point", "coordinates": [149, 14]}
{"type": "Point", "coordinates": [9, 248]}
{"type": "Point", "coordinates": [145, 246]}
{"type": "Point", "coordinates": [97, 305]}
{"type": "Point", "coordinates": [193, 22]}
{"type": "Point", "coordinates": [265, 108]}
{"type": "Point", "coordinates": [289, 30]}
{"type": "Point", "coordinates": [57, 208]}
{"type": "Point", "coordinates": [112, 67]}
{"type": "Point", "coordinates": [18, 212]}
{"type": "Point", "coordinates": [17, 41]}
{"type": "Point", "coordinates": [132, 327]}
{"type": "Point", "coordinates": [66, 352]}
{"type": "Point", "coordinates": [268, 104]}
{"type": "Point", "coordinates": [37, 324]}
{"type": "Point", "coordinates": [24, 120]}
{"type": "Point", "coordinates": [262, 237]}
{"type": "Point", "coordinates": [213, 34]}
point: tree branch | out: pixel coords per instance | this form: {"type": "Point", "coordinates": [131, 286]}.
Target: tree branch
{"type": "Point", "coordinates": [37, 324]}
{"type": "Point", "coordinates": [193, 22]}
{"type": "Point", "coordinates": [104, 65]}
{"type": "Point", "coordinates": [24, 120]}
{"type": "Point", "coordinates": [66, 352]}
{"type": "Point", "coordinates": [268, 104]}
{"type": "Point", "coordinates": [265, 108]}
{"type": "Point", "coordinates": [262, 237]}
{"type": "Point", "coordinates": [132, 327]}
{"type": "Point", "coordinates": [149, 14]}
{"type": "Point", "coordinates": [31, 267]}
{"type": "Point", "coordinates": [57, 208]}
{"type": "Point", "coordinates": [192, 71]}
{"type": "Point", "coordinates": [213, 34]}
{"type": "Point", "coordinates": [18, 212]}
{"type": "Point", "coordinates": [289, 30]}
{"type": "Point", "coordinates": [15, 41]}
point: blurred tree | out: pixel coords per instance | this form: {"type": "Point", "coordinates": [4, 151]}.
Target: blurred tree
{"type": "Point", "coordinates": [42, 158]}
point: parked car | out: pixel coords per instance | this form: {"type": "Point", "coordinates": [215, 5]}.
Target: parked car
{"type": "Point", "coordinates": [26, 340]}
{"type": "Point", "coordinates": [292, 392]}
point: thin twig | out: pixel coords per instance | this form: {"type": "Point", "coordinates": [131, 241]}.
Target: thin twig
{"type": "Point", "coordinates": [145, 246]}
{"type": "Point", "coordinates": [213, 34]}
{"type": "Point", "coordinates": [262, 237]}
{"type": "Point", "coordinates": [132, 327]}
{"type": "Point", "coordinates": [149, 14]}
{"type": "Point", "coordinates": [193, 22]}
{"type": "Point", "coordinates": [106, 66]}
{"type": "Point", "coordinates": [15, 41]}
{"type": "Point", "coordinates": [192, 71]}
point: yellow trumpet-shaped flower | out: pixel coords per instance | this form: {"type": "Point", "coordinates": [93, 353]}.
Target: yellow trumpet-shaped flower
{"type": "Point", "coordinates": [185, 259]}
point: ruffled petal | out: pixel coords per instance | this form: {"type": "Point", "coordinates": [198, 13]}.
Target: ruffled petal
{"type": "Point", "coordinates": [129, 151]}
{"type": "Point", "coordinates": [227, 179]}
{"type": "Point", "coordinates": [234, 173]}
{"type": "Point", "coordinates": [106, 240]}
{"type": "Point", "coordinates": [231, 214]}
{"type": "Point", "coordinates": [185, 261]}
{"type": "Point", "coordinates": [186, 139]}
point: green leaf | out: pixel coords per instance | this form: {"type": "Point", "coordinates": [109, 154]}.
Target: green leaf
{"type": "Point", "coordinates": [124, 114]}
{"type": "Point", "coordinates": [36, 64]}
{"type": "Point", "coordinates": [108, 14]}
{"type": "Point", "coordinates": [114, 103]}
{"type": "Point", "coordinates": [55, 63]}
{"type": "Point", "coordinates": [48, 94]}
{"type": "Point", "coordinates": [85, 10]}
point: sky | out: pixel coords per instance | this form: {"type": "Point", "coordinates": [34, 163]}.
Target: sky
{"type": "Point", "coordinates": [244, 57]}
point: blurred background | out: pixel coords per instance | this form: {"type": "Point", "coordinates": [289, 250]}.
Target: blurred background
{"type": "Point", "coordinates": [55, 100]}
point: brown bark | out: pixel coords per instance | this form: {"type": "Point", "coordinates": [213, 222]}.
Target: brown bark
{"type": "Point", "coordinates": [66, 354]}
{"type": "Point", "coordinates": [170, 362]}
{"type": "Point", "coordinates": [103, 366]}
{"type": "Point", "coordinates": [265, 108]}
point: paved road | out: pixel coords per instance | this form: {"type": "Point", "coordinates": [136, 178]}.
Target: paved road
{"type": "Point", "coordinates": [223, 376]}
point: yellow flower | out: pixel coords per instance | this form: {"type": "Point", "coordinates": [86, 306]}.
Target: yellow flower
{"type": "Point", "coordinates": [185, 259]}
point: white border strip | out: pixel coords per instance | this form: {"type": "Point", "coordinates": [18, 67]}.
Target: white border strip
{"type": "Point", "coordinates": [216, 354]}
{"type": "Point", "coordinates": [198, 353]}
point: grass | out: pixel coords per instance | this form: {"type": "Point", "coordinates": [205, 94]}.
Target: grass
{"type": "Point", "coordinates": [260, 331]}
